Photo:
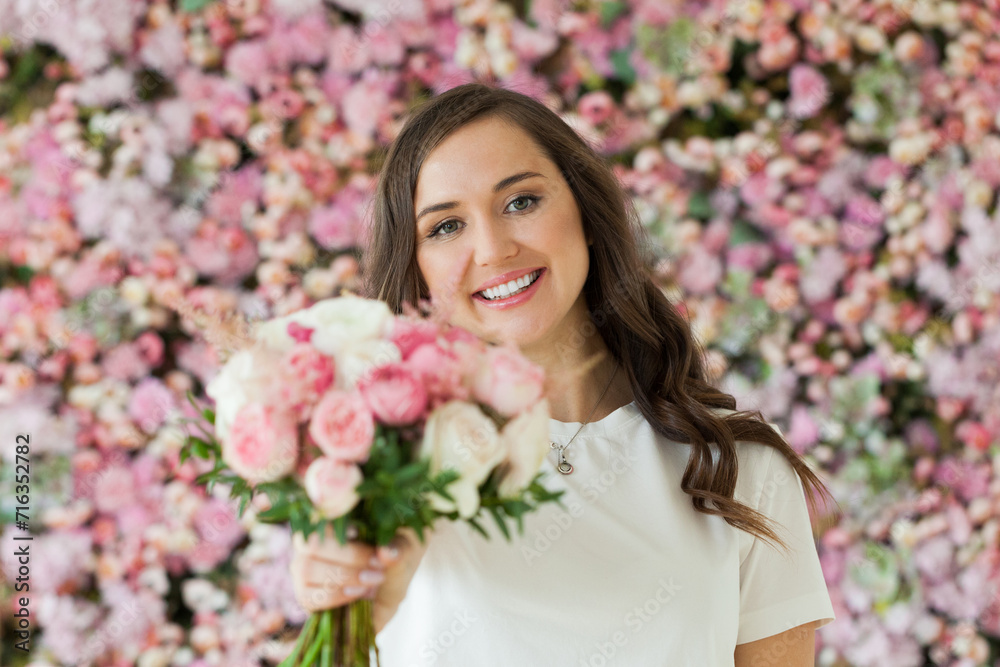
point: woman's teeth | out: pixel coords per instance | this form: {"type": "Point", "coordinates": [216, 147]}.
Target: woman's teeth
{"type": "Point", "coordinates": [511, 288]}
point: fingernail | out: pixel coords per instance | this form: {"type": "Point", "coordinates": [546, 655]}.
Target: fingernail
{"type": "Point", "coordinates": [354, 591]}
{"type": "Point", "coordinates": [371, 577]}
{"type": "Point", "coordinates": [391, 552]}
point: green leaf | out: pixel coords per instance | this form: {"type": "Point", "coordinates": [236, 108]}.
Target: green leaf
{"type": "Point", "coordinates": [209, 416]}
{"type": "Point", "coordinates": [194, 5]}
{"type": "Point", "coordinates": [699, 206]}
{"type": "Point", "coordinates": [475, 524]}
{"type": "Point", "coordinates": [500, 522]}
{"type": "Point", "coordinates": [623, 68]}
{"type": "Point", "coordinates": [611, 11]}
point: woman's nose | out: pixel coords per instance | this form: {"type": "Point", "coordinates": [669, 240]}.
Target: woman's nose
{"type": "Point", "coordinates": [493, 243]}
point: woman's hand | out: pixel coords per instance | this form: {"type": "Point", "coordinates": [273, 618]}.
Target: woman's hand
{"type": "Point", "coordinates": [327, 574]}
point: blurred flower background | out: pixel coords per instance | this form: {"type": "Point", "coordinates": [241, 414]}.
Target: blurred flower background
{"type": "Point", "coordinates": [820, 177]}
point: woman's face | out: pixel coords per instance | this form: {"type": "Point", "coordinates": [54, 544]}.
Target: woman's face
{"type": "Point", "coordinates": [492, 208]}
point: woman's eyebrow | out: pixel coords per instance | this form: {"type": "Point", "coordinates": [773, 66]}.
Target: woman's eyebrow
{"type": "Point", "coordinates": [500, 185]}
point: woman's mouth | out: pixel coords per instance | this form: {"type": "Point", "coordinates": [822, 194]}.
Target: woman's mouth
{"type": "Point", "coordinates": [512, 293]}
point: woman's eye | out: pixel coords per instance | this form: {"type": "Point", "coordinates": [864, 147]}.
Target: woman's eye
{"type": "Point", "coordinates": [528, 199]}
{"type": "Point", "coordinates": [448, 227]}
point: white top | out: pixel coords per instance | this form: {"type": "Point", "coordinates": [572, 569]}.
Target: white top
{"type": "Point", "coordinates": [629, 574]}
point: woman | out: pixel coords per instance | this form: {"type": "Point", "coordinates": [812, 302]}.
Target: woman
{"type": "Point", "coordinates": [495, 209]}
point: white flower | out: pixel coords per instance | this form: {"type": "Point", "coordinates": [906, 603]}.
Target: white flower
{"type": "Point", "coordinates": [248, 375]}
{"type": "Point", "coordinates": [458, 436]}
{"type": "Point", "coordinates": [526, 441]}
{"type": "Point", "coordinates": [335, 323]}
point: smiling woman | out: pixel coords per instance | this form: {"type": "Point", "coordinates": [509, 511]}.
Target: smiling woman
{"type": "Point", "coordinates": [495, 210]}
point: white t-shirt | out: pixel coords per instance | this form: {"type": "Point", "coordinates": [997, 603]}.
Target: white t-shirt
{"type": "Point", "coordinates": [628, 574]}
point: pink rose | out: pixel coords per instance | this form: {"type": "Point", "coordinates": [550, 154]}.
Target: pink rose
{"type": "Point", "coordinates": [332, 486]}
{"type": "Point", "coordinates": [809, 91]}
{"type": "Point", "coordinates": [507, 381]}
{"type": "Point", "coordinates": [263, 443]}
{"type": "Point", "coordinates": [395, 393]}
{"type": "Point", "coordinates": [441, 373]}
{"type": "Point", "coordinates": [409, 334]}
{"type": "Point", "coordinates": [596, 106]}
{"type": "Point", "coordinates": [343, 426]}
{"type": "Point", "coordinates": [306, 374]}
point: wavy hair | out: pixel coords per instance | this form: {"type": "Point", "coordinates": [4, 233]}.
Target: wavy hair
{"type": "Point", "coordinates": [642, 329]}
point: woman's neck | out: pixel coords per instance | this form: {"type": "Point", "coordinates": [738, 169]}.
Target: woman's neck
{"type": "Point", "coordinates": [576, 377]}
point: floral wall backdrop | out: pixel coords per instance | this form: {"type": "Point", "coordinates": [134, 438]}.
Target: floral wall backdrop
{"type": "Point", "coordinates": [820, 177]}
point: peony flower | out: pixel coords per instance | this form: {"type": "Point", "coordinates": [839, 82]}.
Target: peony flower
{"type": "Point", "coordinates": [332, 486]}
{"type": "Point", "coordinates": [306, 375]}
{"type": "Point", "coordinates": [263, 443]}
{"type": "Point", "coordinates": [525, 438]}
{"type": "Point", "coordinates": [395, 394]}
{"type": "Point", "coordinates": [343, 426]}
{"type": "Point", "coordinates": [507, 381]}
{"type": "Point", "coordinates": [441, 372]}
{"type": "Point", "coordinates": [410, 333]}
{"type": "Point", "coordinates": [458, 436]}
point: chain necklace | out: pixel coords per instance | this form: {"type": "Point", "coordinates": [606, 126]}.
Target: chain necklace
{"type": "Point", "coordinates": [565, 467]}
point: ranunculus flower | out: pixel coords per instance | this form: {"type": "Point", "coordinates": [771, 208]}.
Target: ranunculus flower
{"type": "Point", "coordinates": [395, 393]}
{"type": "Point", "coordinates": [526, 441]}
{"type": "Point", "coordinates": [263, 443]}
{"type": "Point", "coordinates": [458, 436]}
{"type": "Point", "coordinates": [332, 486]}
{"type": "Point", "coordinates": [343, 426]}
{"type": "Point", "coordinates": [507, 381]}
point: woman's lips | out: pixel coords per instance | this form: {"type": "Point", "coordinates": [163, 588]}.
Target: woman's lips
{"type": "Point", "coordinates": [511, 301]}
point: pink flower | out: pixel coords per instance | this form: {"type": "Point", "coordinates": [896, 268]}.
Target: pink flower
{"type": "Point", "coordinates": [809, 91]}
{"type": "Point", "coordinates": [334, 227]}
{"type": "Point", "coordinates": [395, 393]}
{"type": "Point", "coordinates": [332, 486]}
{"type": "Point", "coordinates": [408, 334]}
{"type": "Point", "coordinates": [596, 107]}
{"type": "Point", "coordinates": [507, 381]}
{"type": "Point", "coordinates": [700, 270]}
{"type": "Point", "coordinates": [441, 372]}
{"type": "Point", "coordinates": [150, 404]}
{"type": "Point", "coordinates": [974, 435]}
{"type": "Point", "coordinates": [343, 426]}
{"type": "Point", "coordinates": [262, 444]}
{"type": "Point", "coordinates": [306, 375]}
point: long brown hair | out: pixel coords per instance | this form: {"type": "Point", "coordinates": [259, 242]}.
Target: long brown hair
{"type": "Point", "coordinates": [641, 328]}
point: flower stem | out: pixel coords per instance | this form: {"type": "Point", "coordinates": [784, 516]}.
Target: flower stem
{"type": "Point", "coordinates": [307, 630]}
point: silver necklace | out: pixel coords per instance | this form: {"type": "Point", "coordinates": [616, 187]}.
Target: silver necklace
{"type": "Point", "coordinates": [565, 467]}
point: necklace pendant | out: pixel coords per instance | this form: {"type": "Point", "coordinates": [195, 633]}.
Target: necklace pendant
{"type": "Point", "coordinates": [564, 466]}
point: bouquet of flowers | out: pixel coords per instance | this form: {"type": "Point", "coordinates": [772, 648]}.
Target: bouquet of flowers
{"type": "Point", "coordinates": [347, 415]}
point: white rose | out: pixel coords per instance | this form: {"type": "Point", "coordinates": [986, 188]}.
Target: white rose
{"type": "Point", "coordinates": [526, 441]}
{"type": "Point", "coordinates": [458, 436]}
{"type": "Point", "coordinates": [246, 376]}
{"type": "Point", "coordinates": [335, 322]}
{"type": "Point", "coordinates": [228, 390]}
{"type": "Point", "coordinates": [356, 358]}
